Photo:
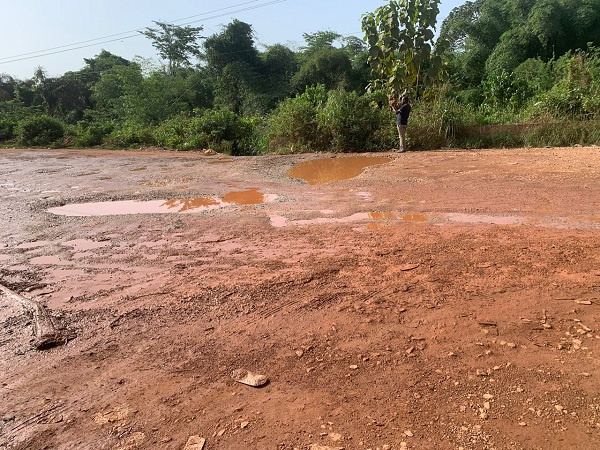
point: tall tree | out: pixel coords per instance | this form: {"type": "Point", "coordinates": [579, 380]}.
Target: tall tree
{"type": "Point", "coordinates": [402, 51]}
{"type": "Point", "coordinates": [492, 36]}
{"type": "Point", "coordinates": [234, 62]}
{"type": "Point", "coordinates": [174, 43]}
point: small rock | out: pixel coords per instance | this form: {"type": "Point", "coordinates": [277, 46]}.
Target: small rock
{"type": "Point", "coordinates": [335, 437]}
{"type": "Point", "coordinates": [585, 374]}
{"type": "Point", "coordinates": [195, 443]}
{"type": "Point", "coordinates": [547, 326]}
{"type": "Point", "coordinates": [486, 405]}
{"type": "Point", "coordinates": [323, 447]}
{"type": "Point", "coordinates": [522, 424]}
{"type": "Point", "coordinates": [408, 433]}
{"type": "Point", "coordinates": [511, 345]}
{"type": "Point", "coordinates": [299, 353]}
{"type": "Point", "coordinates": [248, 378]}
{"type": "Point", "coordinates": [221, 432]}
{"type": "Point", "coordinates": [244, 424]}
{"type": "Point", "coordinates": [353, 367]}
{"type": "Point", "coordinates": [488, 396]}
{"type": "Point", "coordinates": [559, 408]}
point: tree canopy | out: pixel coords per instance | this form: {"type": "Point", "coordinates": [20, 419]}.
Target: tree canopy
{"type": "Point", "coordinates": [489, 36]}
{"type": "Point", "coordinates": [174, 43]}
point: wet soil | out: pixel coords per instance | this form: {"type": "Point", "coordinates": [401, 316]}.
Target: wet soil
{"type": "Point", "coordinates": [434, 300]}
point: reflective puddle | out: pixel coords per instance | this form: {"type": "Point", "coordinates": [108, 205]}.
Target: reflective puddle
{"type": "Point", "coordinates": [81, 245]}
{"type": "Point", "coordinates": [249, 197]}
{"type": "Point", "coordinates": [48, 260]}
{"type": "Point", "coordinates": [30, 245]}
{"type": "Point", "coordinates": [379, 220]}
{"type": "Point", "coordinates": [484, 219]}
{"type": "Point", "coordinates": [334, 169]}
{"type": "Point", "coordinates": [178, 205]}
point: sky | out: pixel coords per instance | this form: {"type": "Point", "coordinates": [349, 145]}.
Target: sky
{"type": "Point", "coordinates": [46, 33]}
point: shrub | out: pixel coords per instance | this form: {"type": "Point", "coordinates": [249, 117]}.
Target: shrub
{"type": "Point", "coordinates": [294, 127]}
{"type": "Point", "coordinates": [130, 135]}
{"type": "Point", "coordinates": [7, 130]}
{"type": "Point", "coordinates": [221, 130]}
{"type": "Point", "coordinates": [39, 130]}
{"type": "Point", "coordinates": [350, 122]}
{"type": "Point", "coordinates": [92, 134]}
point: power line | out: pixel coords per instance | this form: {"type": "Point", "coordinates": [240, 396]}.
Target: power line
{"type": "Point", "coordinates": [70, 47]}
{"type": "Point", "coordinates": [122, 33]}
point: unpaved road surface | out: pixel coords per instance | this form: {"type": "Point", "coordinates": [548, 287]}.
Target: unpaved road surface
{"type": "Point", "coordinates": [438, 300]}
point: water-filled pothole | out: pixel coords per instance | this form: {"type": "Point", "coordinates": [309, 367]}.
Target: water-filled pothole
{"type": "Point", "coordinates": [334, 169]}
{"type": "Point", "coordinates": [177, 205]}
{"type": "Point", "coordinates": [381, 219]}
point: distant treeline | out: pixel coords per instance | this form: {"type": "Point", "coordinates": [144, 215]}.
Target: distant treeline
{"type": "Point", "coordinates": [508, 61]}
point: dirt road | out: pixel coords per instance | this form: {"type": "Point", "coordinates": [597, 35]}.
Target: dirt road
{"type": "Point", "coordinates": [436, 300]}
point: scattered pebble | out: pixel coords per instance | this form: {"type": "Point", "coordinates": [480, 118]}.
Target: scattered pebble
{"type": "Point", "coordinates": [195, 443]}
{"type": "Point", "coordinates": [353, 367]}
{"type": "Point", "coordinates": [244, 424]}
{"type": "Point", "coordinates": [248, 378]}
{"type": "Point", "coordinates": [522, 424]}
{"type": "Point", "coordinates": [335, 437]}
{"type": "Point", "coordinates": [408, 433]}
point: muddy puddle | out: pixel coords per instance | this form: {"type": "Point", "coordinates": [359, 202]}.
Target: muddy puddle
{"type": "Point", "coordinates": [80, 245]}
{"type": "Point", "coordinates": [48, 260]}
{"type": "Point", "coordinates": [327, 170]}
{"type": "Point", "coordinates": [179, 206]}
{"type": "Point", "coordinates": [379, 219]}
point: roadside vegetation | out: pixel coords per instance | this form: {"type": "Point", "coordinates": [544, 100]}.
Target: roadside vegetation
{"type": "Point", "coordinates": [500, 73]}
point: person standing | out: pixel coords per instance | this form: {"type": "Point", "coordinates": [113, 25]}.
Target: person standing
{"type": "Point", "coordinates": [402, 114]}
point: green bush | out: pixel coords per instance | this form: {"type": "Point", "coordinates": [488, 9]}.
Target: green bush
{"type": "Point", "coordinates": [221, 130]}
{"type": "Point", "coordinates": [293, 125]}
{"type": "Point", "coordinates": [130, 135]}
{"type": "Point", "coordinates": [40, 131]}
{"type": "Point", "coordinates": [92, 134]}
{"type": "Point", "coordinates": [7, 130]}
{"type": "Point", "coordinates": [350, 122]}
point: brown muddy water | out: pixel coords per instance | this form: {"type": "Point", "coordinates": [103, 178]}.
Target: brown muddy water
{"type": "Point", "coordinates": [327, 170]}
{"type": "Point", "coordinates": [172, 206]}
{"type": "Point", "coordinates": [390, 217]}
